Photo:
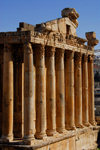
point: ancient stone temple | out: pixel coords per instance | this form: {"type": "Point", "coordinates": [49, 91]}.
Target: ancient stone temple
{"type": "Point", "coordinates": [47, 86]}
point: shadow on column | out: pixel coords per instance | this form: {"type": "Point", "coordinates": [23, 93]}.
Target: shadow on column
{"type": "Point", "coordinates": [18, 91]}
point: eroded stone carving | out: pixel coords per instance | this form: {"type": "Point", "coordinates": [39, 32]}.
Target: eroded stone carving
{"type": "Point", "coordinates": [47, 72]}
{"type": "Point", "coordinates": [91, 37]}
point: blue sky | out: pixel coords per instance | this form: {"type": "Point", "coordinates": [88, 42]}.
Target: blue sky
{"type": "Point", "coordinates": [36, 11]}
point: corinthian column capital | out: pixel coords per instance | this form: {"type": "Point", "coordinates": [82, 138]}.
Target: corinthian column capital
{"type": "Point", "coordinates": [7, 47]}
{"type": "Point", "coordinates": [69, 55]}
{"type": "Point", "coordinates": [85, 58]}
{"type": "Point", "coordinates": [78, 57]}
{"type": "Point", "coordinates": [60, 52]}
{"type": "Point", "coordinates": [50, 51]}
{"type": "Point", "coordinates": [40, 50]}
{"type": "Point", "coordinates": [28, 48]}
{"type": "Point", "coordinates": [91, 58]}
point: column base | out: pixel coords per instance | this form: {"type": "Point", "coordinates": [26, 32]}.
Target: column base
{"type": "Point", "coordinates": [61, 130]}
{"type": "Point", "coordinates": [51, 132]}
{"type": "Point", "coordinates": [29, 140]}
{"type": "Point", "coordinates": [87, 124]}
{"type": "Point", "coordinates": [7, 139]}
{"type": "Point", "coordinates": [71, 128]}
{"type": "Point", "coordinates": [41, 135]}
{"type": "Point", "coordinates": [80, 126]}
{"type": "Point", "coordinates": [93, 123]}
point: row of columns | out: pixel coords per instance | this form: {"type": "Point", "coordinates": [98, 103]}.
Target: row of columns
{"type": "Point", "coordinates": [61, 97]}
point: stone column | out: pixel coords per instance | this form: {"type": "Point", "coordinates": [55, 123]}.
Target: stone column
{"type": "Point", "coordinates": [29, 95]}
{"type": "Point", "coordinates": [40, 92]}
{"type": "Point", "coordinates": [7, 122]}
{"type": "Point", "coordinates": [78, 90]}
{"type": "Point", "coordinates": [21, 95]}
{"type": "Point", "coordinates": [51, 99]}
{"type": "Point", "coordinates": [60, 91]}
{"type": "Point", "coordinates": [18, 98]}
{"type": "Point", "coordinates": [85, 90]}
{"type": "Point", "coordinates": [69, 91]}
{"type": "Point", "coordinates": [91, 91]}
{"type": "Point", "coordinates": [1, 88]}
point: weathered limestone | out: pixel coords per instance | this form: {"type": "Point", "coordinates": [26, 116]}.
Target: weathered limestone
{"type": "Point", "coordinates": [71, 14]}
{"type": "Point", "coordinates": [85, 90]}
{"type": "Point", "coordinates": [1, 89]}
{"type": "Point", "coordinates": [91, 91]}
{"type": "Point", "coordinates": [78, 90]}
{"type": "Point", "coordinates": [7, 122]}
{"type": "Point", "coordinates": [60, 91]}
{"type": "Point", "coordinates": [18, 93]}
{"type": "Point", "coordinates": [69, 91]}
{"type": "Point", "coordinates": [48, 71]}
{"type": "Point", "coordinates": [40, 93]}
{"type": "Point", "coordinates": [91, 37]}
{"type": "Point", "coordinates": [29, 95]}
{"type": "Point", "coordinates": [51, 91]}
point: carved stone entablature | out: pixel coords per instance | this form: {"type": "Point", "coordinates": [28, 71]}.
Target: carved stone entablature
{"type": "Point", "coordinates": [38, 35]}
{"type": "Point", "coordinates": [76, 41]}
{"type": "Point", "coordinates": [50, 51]}
{"type": "Point", "coordinates": [28, 48]}
{"type": "Point", "coordinates": [59, 37]}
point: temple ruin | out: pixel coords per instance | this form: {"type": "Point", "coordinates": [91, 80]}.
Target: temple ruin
{"type": "Point", "coordinates": [47, 86]}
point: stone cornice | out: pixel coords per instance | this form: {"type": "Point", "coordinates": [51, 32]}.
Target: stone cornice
{"type": "Point", "coordinates": [53, 39]}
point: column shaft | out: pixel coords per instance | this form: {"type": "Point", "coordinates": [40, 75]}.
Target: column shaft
{"type": "Point", "coordinates": [51, 99]}
{"type": "Point", "coordinates": [78, 91]}
{"type": "Point", "coordinates": [7, 123]}
{"type": "Point", "coordinates": [69, 91]}
{"type": "Point", "coordinates": [18, 99]}
{"type": "Point", "coordinates": [40, 93]}
{"type": "Point", "coordinates": [1, 90]}
{"type": "Point", "coordinates": [21, 94]}
{"type": "Point", "coordinates": [60, 91]}
{"type": "Point", "coordinates": [91, 91]}
{"type": "Point", "coordinates": [29, 94]}
{"type": "Point", "coordinates": [85, 91]}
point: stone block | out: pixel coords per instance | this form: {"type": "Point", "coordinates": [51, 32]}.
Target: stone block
{"type": "Point", "coordinates": [90, 35]}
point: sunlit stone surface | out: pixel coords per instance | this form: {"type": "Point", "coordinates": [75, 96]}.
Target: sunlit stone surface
{"type": "Point", "coordinates": [47, 86]}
